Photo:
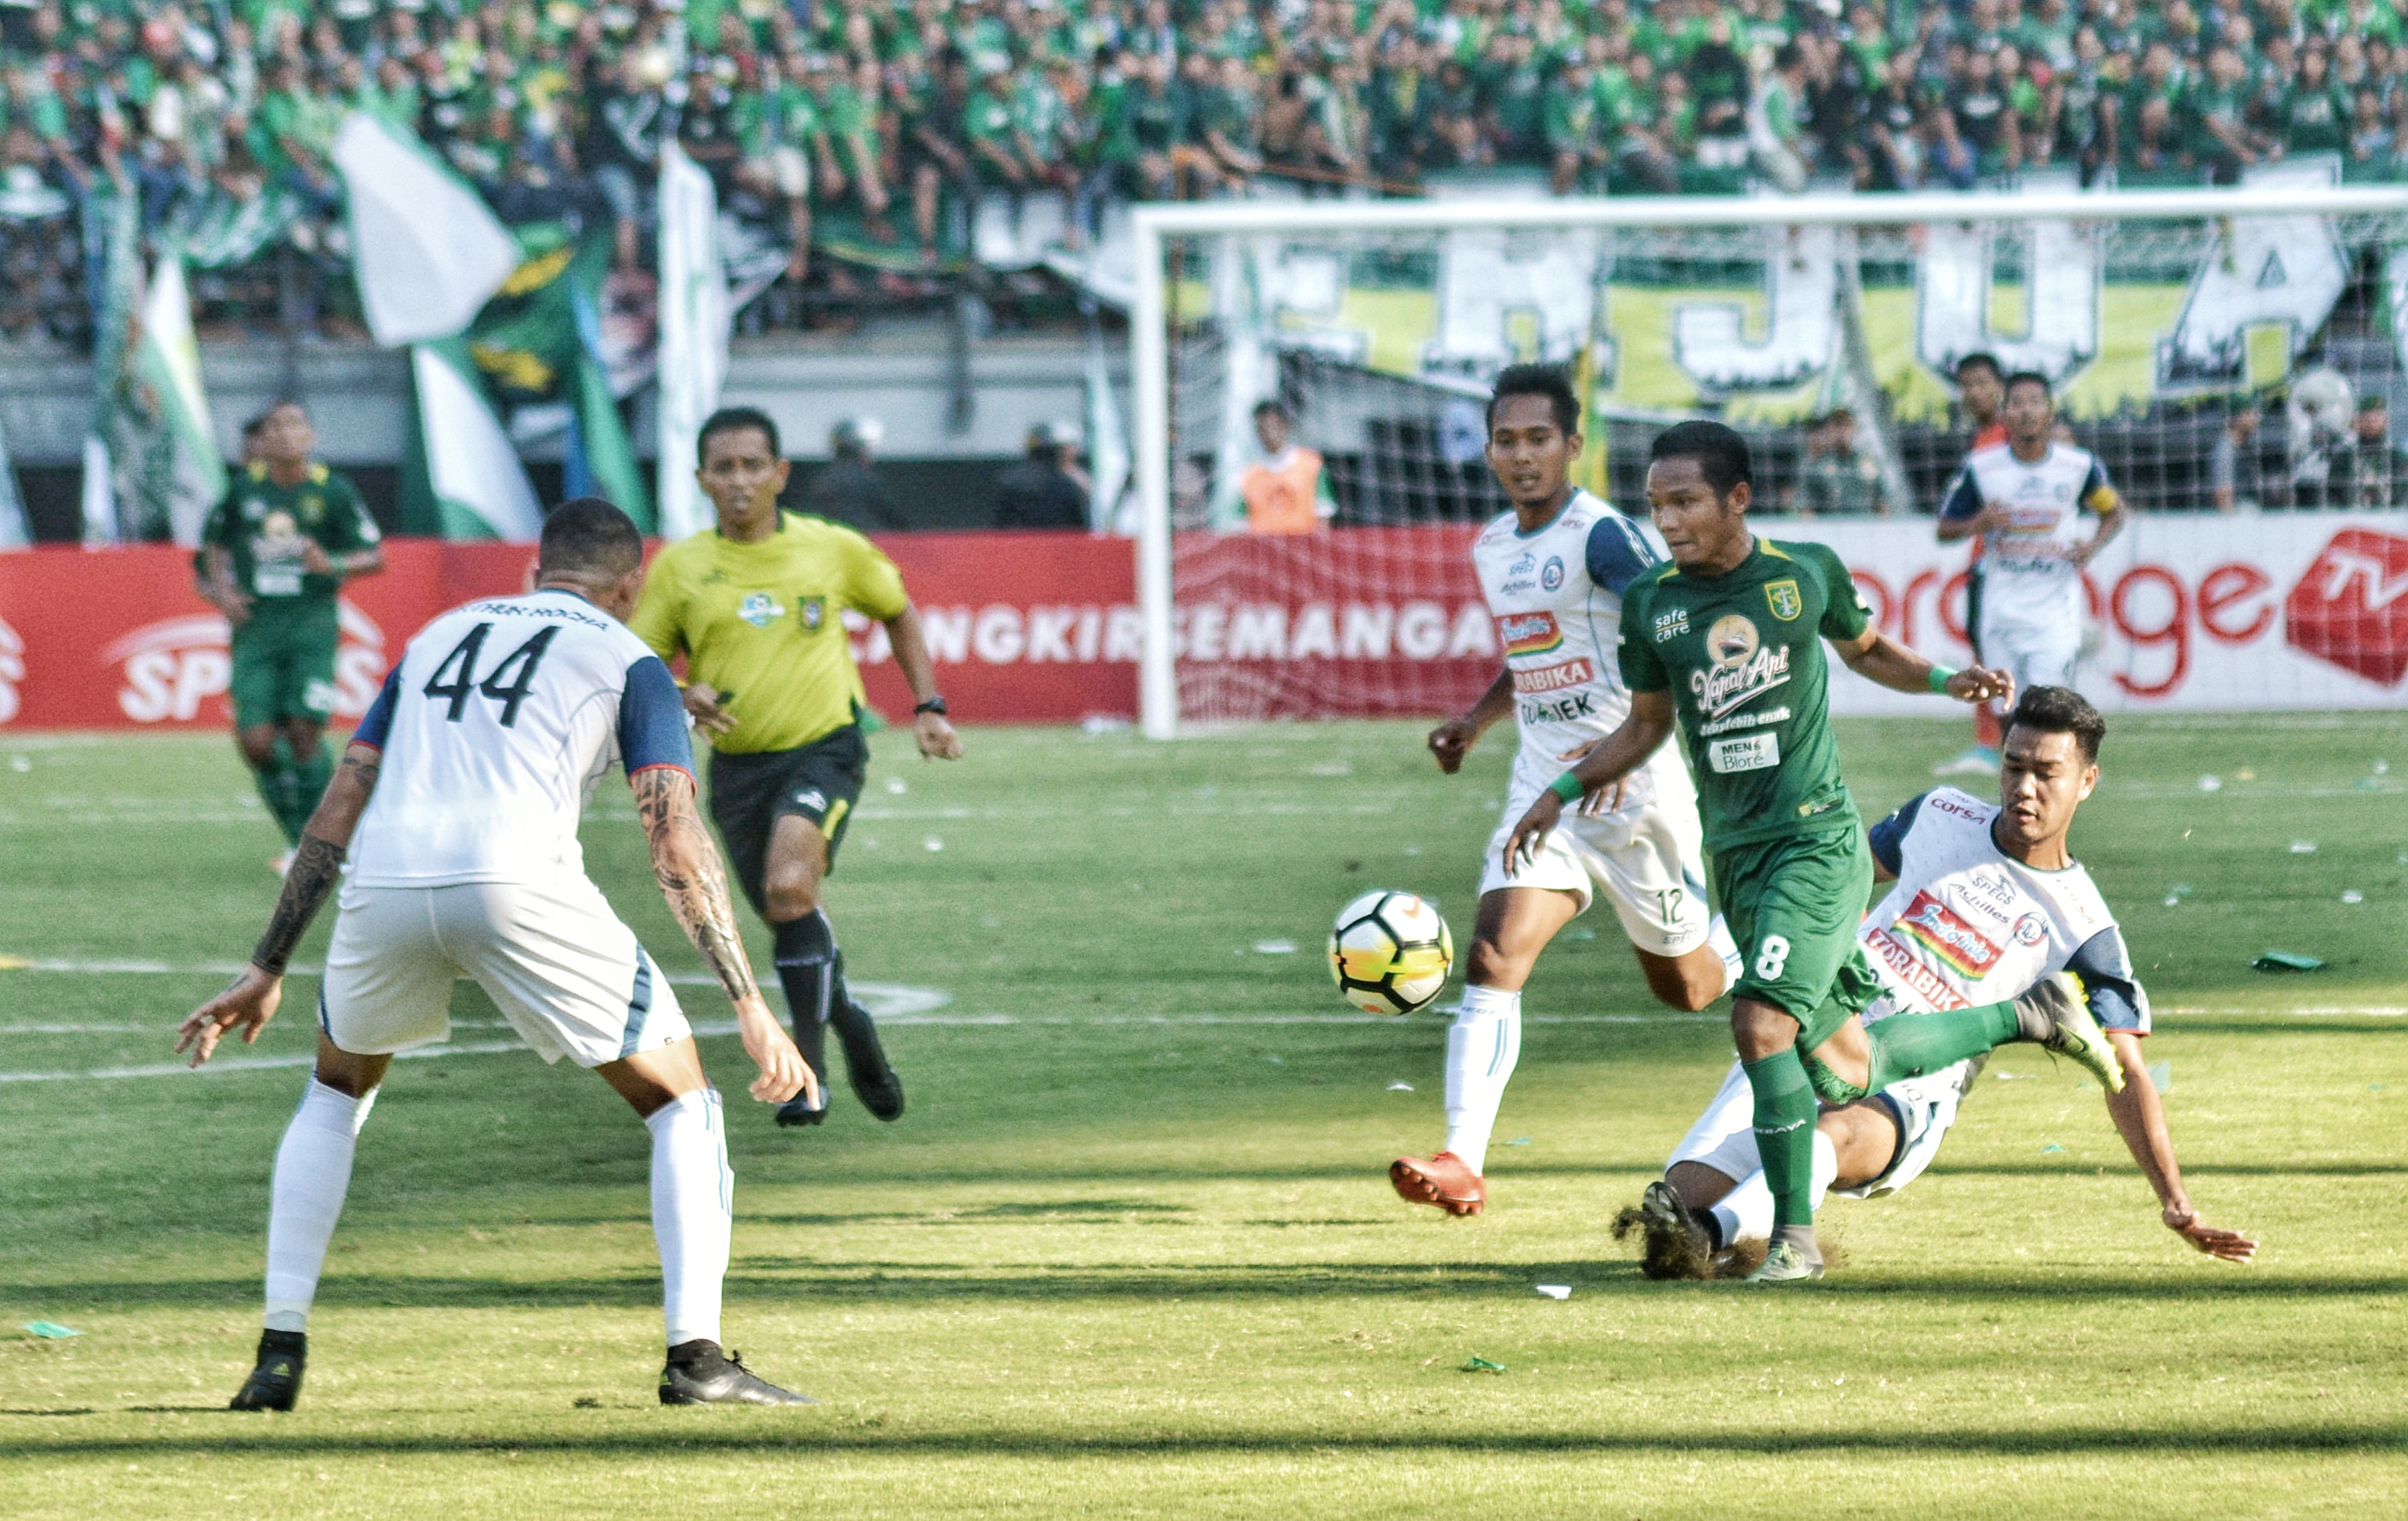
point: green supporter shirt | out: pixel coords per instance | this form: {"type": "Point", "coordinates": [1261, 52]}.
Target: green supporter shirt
{"type": "Point", "coordinates": [263, 525]}
{"type": "Point", "coordinates": [1741, 654]}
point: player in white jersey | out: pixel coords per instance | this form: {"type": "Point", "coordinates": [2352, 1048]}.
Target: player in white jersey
{"type": "Point", "coordinates": [458, 800]}
{"type": "Point", "coordinates": [2026, 498]}
{"type": "Point", "coordinates": [1987, 903]}
{"type": "Point", "coordinates": [1552, 570]}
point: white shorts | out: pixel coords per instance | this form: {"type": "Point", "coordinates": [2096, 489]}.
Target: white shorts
{"type": "Point", "coordinates": [1650, 861]}
{"type": "Point", "coordinates": [1724, 1137]}
{"type": "Point", "coordinates": [567, 974]}
{"type": "Point", "coordinates": [2033, 656]}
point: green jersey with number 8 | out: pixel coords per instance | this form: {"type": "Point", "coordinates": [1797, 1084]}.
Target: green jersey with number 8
{"type": "Point", "coordinates": [1743, 655]}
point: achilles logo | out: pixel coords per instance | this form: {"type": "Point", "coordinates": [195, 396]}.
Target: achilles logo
{"type": "Point", "coordinates": [172, 667]}
{"type": "Point", "coordinates": [2350, 610]}
{"type": "Point", "coordinates": [12, 670]}
{"type": "Point", "coordinates": [1554, 678]}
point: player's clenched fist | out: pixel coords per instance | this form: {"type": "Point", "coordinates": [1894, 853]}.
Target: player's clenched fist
{"type": "Point", "coordinates": [1451, 742]}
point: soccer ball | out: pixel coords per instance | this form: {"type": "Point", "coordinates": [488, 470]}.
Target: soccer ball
{"type": "Point", "coordinates": [1390, 952]}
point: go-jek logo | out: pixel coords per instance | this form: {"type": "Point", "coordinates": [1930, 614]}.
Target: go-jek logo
{"type": "Point", "coordinates": [2351, 608]}
{"type": "Point", "coordinates": [12, 670]}
{"type": "Point", "coordinates": [173, 667]}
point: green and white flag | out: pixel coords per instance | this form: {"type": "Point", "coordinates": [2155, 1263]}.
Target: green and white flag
{"type": "Point", "coordinates": [167, 362]}
{"type": "Point", "coordinates": [692, 343]}
{"type": "Point", "coordinates": [462, 476]}
{"type": "Point", "coordinates": [426, 250]}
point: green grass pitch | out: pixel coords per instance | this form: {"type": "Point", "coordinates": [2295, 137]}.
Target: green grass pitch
{"type": "Point", "coordinates": [1133, 1252]}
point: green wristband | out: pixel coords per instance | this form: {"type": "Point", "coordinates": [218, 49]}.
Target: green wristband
{"type": "Point", "coordinates": [1939, 678]}
{"type": "Point", "coordinates": [1566, 787]}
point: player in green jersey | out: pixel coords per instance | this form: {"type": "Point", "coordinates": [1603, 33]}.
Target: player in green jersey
{"type": "Point", "coordinates": [273, 555]}
{"type": "Point", "coordinates": [1729, 638]}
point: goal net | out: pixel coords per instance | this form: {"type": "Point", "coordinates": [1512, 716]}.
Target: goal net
{"type": "Point", "coordinates": [2234, 357]}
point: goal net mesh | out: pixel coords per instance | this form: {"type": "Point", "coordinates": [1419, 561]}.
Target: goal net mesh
{"type": "Point", "coordinates": [1831, 348]}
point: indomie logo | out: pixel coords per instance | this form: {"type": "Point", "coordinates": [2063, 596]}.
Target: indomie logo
{"type": "Point", "coordinates": [1931, 925]}
{"type": "Point", "coordinates": [1528, 633]}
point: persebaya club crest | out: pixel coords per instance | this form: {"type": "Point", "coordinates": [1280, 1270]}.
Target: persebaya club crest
{"type": "Point", "coordinates": [1783, 595]}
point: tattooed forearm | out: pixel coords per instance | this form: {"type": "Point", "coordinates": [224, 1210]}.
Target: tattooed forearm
{"type": "Point", "coordinates": [687, 866]}
{"type": "Point", "coordinates": [317, 866]}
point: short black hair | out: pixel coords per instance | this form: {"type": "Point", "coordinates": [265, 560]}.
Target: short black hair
{"type": "Point", "coordinates": [2061, 709]}
{"type": "Point", "coordinates": [1548, 380]}
{"type": "Point", "coordinates": [1277, 408]}
{"type": "Point", "coordinates": [1719, 450]}
{"type": "Point", "coordinates": [736, 420]}
{"type": "Point", "coordinates": [255, 425]}
{"type": "Point", "coordinates": [1979, 356]}
{"type": "Point", "coordinates": [586, 536]}
{"type": "Point", "coordinates": [2031, 377]}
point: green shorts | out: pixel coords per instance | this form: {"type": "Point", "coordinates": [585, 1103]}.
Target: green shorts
{"type": "Point", "coordinates": [1794, 905]}
{"type": "Point", "coordinates": [284, 663]}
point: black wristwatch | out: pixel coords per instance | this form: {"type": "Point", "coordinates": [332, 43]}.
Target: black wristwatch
{"type": "Point", "coordinates": [934, 705]}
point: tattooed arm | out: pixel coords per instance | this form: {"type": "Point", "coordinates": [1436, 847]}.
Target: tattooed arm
{"type": "Point", "coordinates": [691, 878]}
{"type": "Point", "coordinates": [251, 999]}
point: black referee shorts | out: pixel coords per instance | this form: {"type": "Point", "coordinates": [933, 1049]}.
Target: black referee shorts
{"type": "Point", "coordinates": [750, 793]}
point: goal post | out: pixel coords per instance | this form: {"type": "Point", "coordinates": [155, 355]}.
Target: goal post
{"type": "Point", "coordinates": [2158, 313]}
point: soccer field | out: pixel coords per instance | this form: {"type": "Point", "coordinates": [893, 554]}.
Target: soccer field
{"type": "Point", "coordinates": [1133, 1251]}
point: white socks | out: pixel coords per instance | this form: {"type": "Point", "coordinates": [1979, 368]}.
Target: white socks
{"type": "Point", "coordinates": [692, 1193]}
{"type": "Point", "coordinates": [1745, 1213]}
{"type": "Point", "coordinates": [1718, 935]}
{"type": "Point", "coordinates": [1481, 1046]}
{"type": "Point", "coordinates": [313, 1172]}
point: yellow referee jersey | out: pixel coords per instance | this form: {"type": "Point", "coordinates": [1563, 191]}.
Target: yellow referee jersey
{"type": "Point", "coordinates": [761, 621]}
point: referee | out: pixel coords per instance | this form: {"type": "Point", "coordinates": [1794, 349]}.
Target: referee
{"type": "Point", "coordinates": [754, 606]}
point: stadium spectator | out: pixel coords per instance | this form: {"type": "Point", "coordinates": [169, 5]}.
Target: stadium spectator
{"type": "Point", "coordinates": [1287, 490]}
{"type": "Point", "coordinates": [2367, 472]}
{"type": "Point", "coordinates": [2232, 468]}
{"type": "Point", "coordinates": [1043, 489]}
{"type": "Point", "coordinates": [847, 489]}
{"type": "Point", "coordinates": [1837, 480]}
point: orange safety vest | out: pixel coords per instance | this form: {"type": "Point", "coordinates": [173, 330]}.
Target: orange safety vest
{"type": "Point", "coordinates": [1282, 500]}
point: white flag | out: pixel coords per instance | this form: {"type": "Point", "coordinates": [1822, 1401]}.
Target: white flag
{"type": "Point", "coordinates": [169, 359]}
{"type": "Point", "coordinates": [1107, 448]}
{"type": "Point", "coordinates": [99, 493]}
{"type": "Point", "coordinates": [692, 335]}
{"type": "Point", "coordinates": [426, 252]}
{"type": "Point", "coordinates": [481, 489]}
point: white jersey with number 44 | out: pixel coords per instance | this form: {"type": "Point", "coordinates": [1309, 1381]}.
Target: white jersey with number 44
{"type": "Point", "coordinates": [1556, 597]}
{"type": "Point", "coordinates": [494, 725]}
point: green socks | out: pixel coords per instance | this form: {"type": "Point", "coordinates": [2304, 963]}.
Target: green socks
{"type": "Point", "coordinates": [291, 788]}
{"type": "Point", "coordinates": [1784, 1134]}
{"type": "Point", "coordinates": [310, 779]}
{"type": "Point", "coordinates": [1910, 1045]}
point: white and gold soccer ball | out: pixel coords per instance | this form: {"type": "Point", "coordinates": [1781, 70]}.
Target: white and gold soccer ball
{"type": "Point", "coordinates": [1390, 952]}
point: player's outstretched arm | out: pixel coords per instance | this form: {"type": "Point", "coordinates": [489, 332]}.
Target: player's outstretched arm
{"type": "Point", "coordinates": [2141, 1118]}
{"type": "Point", "coordinates": [1878, 658]}
{"type": "Point", "coordinates": [1453, 739]}
{"type": "Point", "coordinates": [251, 999]}
{"type": "Point", "coordinates": [691, 878]}
{"type": "Point", "coordinates": [933, 729]}
{"type": "Point", "coordinates": [1615, 756]}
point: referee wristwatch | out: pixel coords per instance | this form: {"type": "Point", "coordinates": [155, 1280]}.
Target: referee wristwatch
{"type": "Point", "coordinates": [934, 705]}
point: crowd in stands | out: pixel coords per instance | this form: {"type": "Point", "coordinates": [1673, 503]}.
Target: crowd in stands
{"type": "Point", "coordinates": [874, 115]}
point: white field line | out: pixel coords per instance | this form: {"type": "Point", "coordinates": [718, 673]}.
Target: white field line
{"type": "Point", "coordinates": [886, 1001]}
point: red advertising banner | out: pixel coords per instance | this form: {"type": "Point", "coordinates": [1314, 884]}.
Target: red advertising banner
{"type": "Point", "coordinates": [2188, 613]}
{"type": "Point", "coordinates": [1025, 627]}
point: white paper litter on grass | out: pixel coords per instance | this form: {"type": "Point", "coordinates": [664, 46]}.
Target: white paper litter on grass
{"type": "Point", "coordinates": [896, 785]}
{"type": "Point", "coordinates": [2210, 784]}
{"type": "Point", "coordinates": [2303, 847]}
{"type": "Point", "coordinates": [1400, 1087]}
{"type": "Point", "coordinates": [932, 844]}
{"type": "Point", "coordinates": [1556, 1291]}
{"type": "Point", "coordinates": [1275, 948]}
{"type": "Point", "coordinates": [2353, 896]}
